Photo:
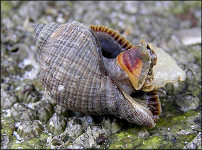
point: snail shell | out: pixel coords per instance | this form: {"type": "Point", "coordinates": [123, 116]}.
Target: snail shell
{"type": "Point", "coordinates": [95, 70]}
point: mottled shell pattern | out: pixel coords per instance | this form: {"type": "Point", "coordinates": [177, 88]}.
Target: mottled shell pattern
{"type": "Point", "coordinates": [95, 70]}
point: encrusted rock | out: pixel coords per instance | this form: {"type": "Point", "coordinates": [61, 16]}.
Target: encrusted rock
{"type": "Point", "coordinates": [56, 124]}
{"type": "Point", "coordinates": [7, 124]}
{"type": "Point", "coordinates": [5, 86]}
{"type": "Point", "coordinates": [190, 36]}
{"type": "Point", "coordinates": [60, 110]}
{"type": "Point", "coordinates": [54, 142]}
{"type": "Point", "coordinates": [4, 141]}
{"type": "Point", "coordinates": [195, 143]}
{"type": "Point", "coordinates": [45, 110]}
{"type": "Point", "coordinates": [89, 138]}
{"type": "Point", "coordinates": [21, 112]}
{"type": "Point", "coordinates": [112, 125]}
{"type": "Point", "coordinates": [143, 134]}
{"type": "Point", "coordinates": [18, 51]}
{"type": "Point", "coordinates": [187, 102]}
{"type": "Point", "coordinates": [47, 97]}
{"type": "Point", "coordinates": [86, 121]}
{"type": "Point", "coordinates": [8, 99]}
{"type": "Point", "coordinates": [29, 94]}
{"type": "Point", "coordinates": [73, 129]}
{"type": "Point", "coordinates": [29, 129]}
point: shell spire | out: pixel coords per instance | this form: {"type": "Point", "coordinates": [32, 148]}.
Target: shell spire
{"type": "Point", "coordinates": [38, 28]}
{"type": "Point", "coordinates": [43, 33]}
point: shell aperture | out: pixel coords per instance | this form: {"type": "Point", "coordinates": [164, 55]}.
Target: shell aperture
{"type": "Point", "coordinates": [112, 43]}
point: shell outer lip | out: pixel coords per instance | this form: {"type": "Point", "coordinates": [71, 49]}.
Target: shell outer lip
{"type": "Point", "coordinates": [145, 115]}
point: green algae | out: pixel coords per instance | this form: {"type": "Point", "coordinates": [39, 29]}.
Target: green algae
{"type": "Point", "coordinates": [127, 139]}
{"type": "Point", "coordinates": [38, 142]}
{"type": "Point", "coordinates": [8, 125]}
{"type": "Point", "coordinates": [166, 134]}
{"type": "Point", "coordinates": [196, 51]}
{"type": "Point", "coordinates": [34, 143]}
{"type": "Point", "coordinates": [19, 146]}
{"type": "Point", "coordinates": [179, 118]}
{"type": "Point", "coordinates": [182, 140]}
{"type": "Point", "coordinates": [6, 6]}
{"type": "Point", "coordinates": [152, 143]}
{"type": "Point", "coordinates": [184, 117]}
{"type": "Point", "coordinates": [7, 130]}
{"type": "Point", "coordinates": [36, 82]}
{"type": "Point", "coordinates": [180, 9]}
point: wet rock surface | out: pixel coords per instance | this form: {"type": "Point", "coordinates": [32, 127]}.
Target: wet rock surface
{"type": "Point", "coordinates": [56, 124]}
{"type": "Point", "coordinates": [28, 94]}
{"type": "Point", "coordinates": [31, 119]}
{"type": "Point", "coordinates": [45, 110]}
{"type": "Point", "coordinates": [8, 99]}
{"type": "Point", "coordinates": [29, 129]}
{"type": "Point", "coordinates": [91, 138]}
{"type": "Point", "coordinates": [195, 143]}
{"type": "Point", "coordinates": [21, 112]}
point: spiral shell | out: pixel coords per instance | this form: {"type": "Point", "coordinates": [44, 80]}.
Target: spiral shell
{"type": "Point", "coordinates": [95, 70]}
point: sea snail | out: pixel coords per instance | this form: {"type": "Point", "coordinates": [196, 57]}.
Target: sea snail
{"type": "Point", "coordinates": [95, 70]}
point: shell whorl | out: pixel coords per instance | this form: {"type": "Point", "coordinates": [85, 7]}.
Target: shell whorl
{"type": "Point", "coordinates": [37, 28]}
{"type": "Point", "coordinates": [42, 34]}
{"type": "Point", "coordinates": [68, 74]}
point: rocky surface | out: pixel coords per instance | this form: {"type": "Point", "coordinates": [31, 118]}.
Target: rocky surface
{"type": "Point", "coordinates": [31, 119]}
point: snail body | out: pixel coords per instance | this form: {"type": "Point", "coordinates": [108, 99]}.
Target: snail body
{"type": "Point", "coordinates": [94, 70]}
